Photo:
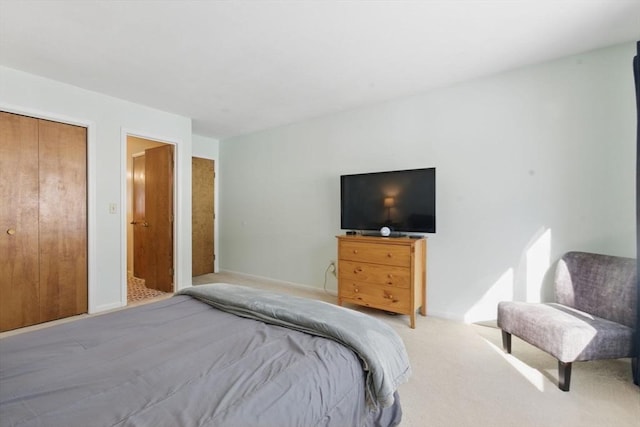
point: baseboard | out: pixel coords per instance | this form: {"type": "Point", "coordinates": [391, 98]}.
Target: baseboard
{"type": "Point", "coordinates": [107, 307]}
{"type": "Point", "coordinates": [309, 288]}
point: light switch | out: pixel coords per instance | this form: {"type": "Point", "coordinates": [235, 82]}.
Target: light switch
{"type": "Point", "coordinates": [113, 208]}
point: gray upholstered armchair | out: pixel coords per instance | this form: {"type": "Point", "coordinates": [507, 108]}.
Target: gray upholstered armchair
{"type": "Point", "coordinates": [594, 316]}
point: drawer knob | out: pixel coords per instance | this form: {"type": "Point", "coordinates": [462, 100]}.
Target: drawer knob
{"type": "Point", "coordinates": [389, 255]}
{"type": "Point", "coordinates": [390, 276]}
{"type": "Point", "coordinates": [355, 251]}
{"type": "Point", "coordinates": [389, 296]}
{"type": "Point", "coordinates": [357, 270]}
{"type": "Point", "coordinates": [356, 290]}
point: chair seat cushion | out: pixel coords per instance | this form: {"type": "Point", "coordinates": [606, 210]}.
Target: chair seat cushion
{"type": "Point", "coordinates": [566, 333]}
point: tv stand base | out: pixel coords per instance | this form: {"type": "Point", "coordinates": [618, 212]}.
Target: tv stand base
{"type": "Point", "coordinates": [378, 234]}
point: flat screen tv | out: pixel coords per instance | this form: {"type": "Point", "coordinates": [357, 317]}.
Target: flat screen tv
{"type": "Point", "coordinates": [404, 201]}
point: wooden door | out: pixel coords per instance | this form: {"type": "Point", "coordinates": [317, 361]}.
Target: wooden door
{"type": "Point", "coordinates": [159, 218]}
{"type": "Point", "coordinates": [139, 219]}
{"type": "Point", "coordinates": [62, 220]}
{"type": "Point", "coordinates": [43, 214]}
{"type": "Point", "coordinates": [202, 215]}
{"type": "Point", "coordinates": [19, 269]}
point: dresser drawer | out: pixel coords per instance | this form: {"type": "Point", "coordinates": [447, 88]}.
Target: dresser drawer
{"type": "Point", "coordinates": [375, 253]}
{"type": "Point", "coordinates": [373, 273]}
{"type": "Point", "coordinates": [383, 273]}
{"type": "Point", "coordinates": [376, 296]}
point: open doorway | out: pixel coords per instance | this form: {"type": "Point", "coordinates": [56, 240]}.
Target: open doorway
{"type": "Point", "coordinates": [150, 218]}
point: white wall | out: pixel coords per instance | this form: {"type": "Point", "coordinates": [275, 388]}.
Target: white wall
{"type": "Point", "coordinates": [108, 120]}
{"type": "Point", "coordinates": [208, 148]}
{"type": "Point", "coordinates": [530, 164]}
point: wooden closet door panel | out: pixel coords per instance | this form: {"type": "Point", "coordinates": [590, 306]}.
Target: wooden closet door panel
{"type": "Point", "coordinates": [63, 220]}
{"type": "Point", "coordinates": [202, 172]}
{"type": "Point", "coordinates": [19, 298]}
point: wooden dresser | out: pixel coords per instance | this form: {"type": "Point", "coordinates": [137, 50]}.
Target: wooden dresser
{"type": "Point", "coordinates": [383, 273]}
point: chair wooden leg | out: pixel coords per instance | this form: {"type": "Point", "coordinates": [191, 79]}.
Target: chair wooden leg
{"type": "Point", "coordinates": [564, 375]}
{"type": "Point", "coordinates": [506, 342]}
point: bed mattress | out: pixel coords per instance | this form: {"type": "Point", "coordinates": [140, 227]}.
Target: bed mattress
{"type": "Point", "coordinates": [181, 362]}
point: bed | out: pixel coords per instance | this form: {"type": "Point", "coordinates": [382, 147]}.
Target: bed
{"type": "Point", "coordinates": [245, 358]}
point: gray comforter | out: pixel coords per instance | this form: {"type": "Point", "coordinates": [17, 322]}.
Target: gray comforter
{"type": "Point", "coordinates": [381, 349]}
{"type": "Point", "coordinates": [182, 363]}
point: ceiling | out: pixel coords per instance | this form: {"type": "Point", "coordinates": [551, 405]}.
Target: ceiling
{"type": "Point", "coordinates": [237, 67]}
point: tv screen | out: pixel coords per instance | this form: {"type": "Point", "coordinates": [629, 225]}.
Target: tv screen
{"type": "Point", "coordinates": [404, 201]}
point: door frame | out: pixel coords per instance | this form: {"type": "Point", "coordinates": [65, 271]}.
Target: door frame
{"type": "Point", "coordinates": [125, 204]}
{"type": "Point", "coordinates": [92, 261]}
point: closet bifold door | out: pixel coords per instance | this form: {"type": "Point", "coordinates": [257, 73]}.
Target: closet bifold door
{"type": "Point", "coordinates": [62, 220]}
{"type": "Point", "coordinates": [19, 267]}
{"type": "Point", "coordinates": [43, 220]}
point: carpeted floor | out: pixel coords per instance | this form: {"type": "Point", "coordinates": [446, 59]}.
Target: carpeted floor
{"type": "Point", "coordinates": [462, 378]}
{"type": "Point", "coordinates": [138, 292]}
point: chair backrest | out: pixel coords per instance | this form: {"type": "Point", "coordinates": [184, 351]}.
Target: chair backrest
{"type": "Point", "coordinates": [601, 285]}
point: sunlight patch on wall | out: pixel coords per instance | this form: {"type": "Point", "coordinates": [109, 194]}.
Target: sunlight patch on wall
{"type": "Point", "coordinates": [538, 261]}
{"type": "Point", "coordinates": [486, 307]}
